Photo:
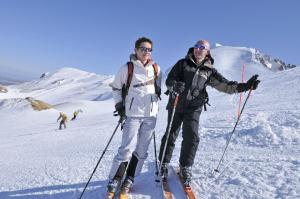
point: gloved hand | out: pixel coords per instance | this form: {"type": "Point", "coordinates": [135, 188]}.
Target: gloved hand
{"type": "Point", "coordinates": [158, 91]}
{"type": "Point", "coordinates": [178, 87]}
{"type": "Point", "coordinates": [120, 110]}
{"type": "Point", "coordinates": [252, 82]}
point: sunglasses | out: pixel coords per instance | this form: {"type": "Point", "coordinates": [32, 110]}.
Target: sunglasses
{"type": "Point", "coordinates": [145, 49]}
{"type": "Point", "coordinates": [201, 47]}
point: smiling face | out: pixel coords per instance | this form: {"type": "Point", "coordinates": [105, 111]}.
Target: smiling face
{"type": "Point", "coordinates": [143, 52]}
{"type": "Point", "coordinates": [201, 50]}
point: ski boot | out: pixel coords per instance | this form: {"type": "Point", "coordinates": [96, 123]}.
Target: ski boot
{"type": "Point", "coordinates": [126, 187]}
{"type": "Point", "coordinates": [185, 174]}
{"type": "Point", "coordinates": [164, 171]}
{"type": "Point", "coordinates": [112, 187]}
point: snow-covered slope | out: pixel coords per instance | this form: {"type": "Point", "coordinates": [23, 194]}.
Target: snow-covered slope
{"type": "Point", "coordinates": [262, 161]}
{"type": "Point", "coordinates": [65, 86]}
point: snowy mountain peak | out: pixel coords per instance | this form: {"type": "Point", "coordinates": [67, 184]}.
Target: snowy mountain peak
{"type": "Point", "coordinates": [229, 57]}
{"type": "Point", "coordinates": [71, 70]}
{"type": "Point", "coordinates": [68, 73]}
{"type": "Point", "coordinates": [273, 64]}
{"type": "Point", "coordinates": [249, 55]}
{"type": "Point", "coordinates": [65, 85]}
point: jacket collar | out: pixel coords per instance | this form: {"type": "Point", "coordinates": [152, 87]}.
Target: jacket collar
{"type": "Point", "coordinates": [137, 62]}
{"type": "Point", "coordinates": [208, 61]}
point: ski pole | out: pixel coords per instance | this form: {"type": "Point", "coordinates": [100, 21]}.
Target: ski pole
{"type": "Point", "coordinates": [169, 130]}
{"type": "Point", "coordinates": [239, 116]}
{"type": "Point", "coordinates": [120, 121]}
{"type": "Point", "coordinates": [155, 154]}
{"type": "Point", "coordinates": [241, 94]}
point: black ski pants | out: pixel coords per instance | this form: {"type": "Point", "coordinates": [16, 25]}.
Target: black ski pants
{"type": "Point", "coordinates": [190, 142]}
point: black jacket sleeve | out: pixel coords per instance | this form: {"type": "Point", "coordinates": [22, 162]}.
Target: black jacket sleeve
{"type": "Point", "coordinates": [175, 75]}
{"type": "Point", "coordinates": [220, 83]}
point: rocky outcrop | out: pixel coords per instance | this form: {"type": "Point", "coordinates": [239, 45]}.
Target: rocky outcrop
{"type": "Point", "coordinates": [44, 75]}
{"type": "Point", "coordinates": [273, 64]}
{"type": "Point", "coordinates": [38, 105]}
{"type": "Point", "coordinates": [3, 89]}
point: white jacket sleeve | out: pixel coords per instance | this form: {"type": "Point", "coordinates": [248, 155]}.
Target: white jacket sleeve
{"type": "Point", "coordinates": [119, 81]}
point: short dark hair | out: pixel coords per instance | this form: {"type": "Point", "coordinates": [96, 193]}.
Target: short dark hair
{"type": "Point", "coordinates": [141, 40]}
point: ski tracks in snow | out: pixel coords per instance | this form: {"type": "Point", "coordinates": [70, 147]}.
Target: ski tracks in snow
{"type": "Point", "coordinates": [250, 173]}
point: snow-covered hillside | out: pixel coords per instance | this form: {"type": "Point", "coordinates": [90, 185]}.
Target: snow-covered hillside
{"type": "Point", "coordinates": [65, 86]}
{"type": "Point", "coordinates": [249, 55]}
{"type": "Point", "coordinates": [262, 161]}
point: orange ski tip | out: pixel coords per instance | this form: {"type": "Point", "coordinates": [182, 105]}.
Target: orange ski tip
{"type": "Point", "coordinates": [124, 196]}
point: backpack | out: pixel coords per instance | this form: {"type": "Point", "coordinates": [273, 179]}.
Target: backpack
{"type": "Point", "coordinates": [126, 86]}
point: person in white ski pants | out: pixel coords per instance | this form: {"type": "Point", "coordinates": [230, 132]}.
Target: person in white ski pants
{"type": "Point", "coordinates": [139, 109]}
{"type": "Point", "coordinates": [136, 137]}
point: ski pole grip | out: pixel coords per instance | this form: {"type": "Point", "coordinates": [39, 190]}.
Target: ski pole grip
{"type": "Point", "coordinates": [176, 100]}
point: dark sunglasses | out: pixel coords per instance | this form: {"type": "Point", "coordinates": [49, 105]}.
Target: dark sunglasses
{"type": "Point", "coordinates": [201, 47]}
{"type": "Point", "coordinates": [144, 49]}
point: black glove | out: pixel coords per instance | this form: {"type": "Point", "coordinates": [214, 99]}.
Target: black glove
{"type": "Point", "coordinates": [178, 87]}
{"type": "Point", "coordinates": [158, 91]}
{"type": "Point", "coordinates": [120, 110]}
{"type": "Point", "coordinates": [251, 83]}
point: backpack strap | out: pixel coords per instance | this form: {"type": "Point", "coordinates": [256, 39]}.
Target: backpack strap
{"type": "Point", "coordinates": [157, 90]}
{"type": "Point", "coordinates": [155, 68]}
{"type": "Point", "coordinates": [130, 74]}
{"type": "Point", "coordinates": [130, 67]}
{"type": "Point", "coordinates": [126, 86]}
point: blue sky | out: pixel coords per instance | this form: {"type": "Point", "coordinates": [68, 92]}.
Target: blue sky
{"type": "Point", "coordinates": [97, 36]}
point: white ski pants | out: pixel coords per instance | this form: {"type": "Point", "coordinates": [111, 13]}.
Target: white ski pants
{"type": "Point", "coordinates": [136, 137]}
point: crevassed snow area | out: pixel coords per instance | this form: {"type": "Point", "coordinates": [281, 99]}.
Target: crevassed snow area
{"type": "Point", "coordinates": [262, 160]}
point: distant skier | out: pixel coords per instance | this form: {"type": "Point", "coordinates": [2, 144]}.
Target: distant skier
{"type": "Point", "coordinates": [138, 106]}
{"type": "Point", "coordinates": [63, 119]}
{"type": "Point", "coordinates": [189, 78]}
{"type": "Point", "coordinates": [76, 113]}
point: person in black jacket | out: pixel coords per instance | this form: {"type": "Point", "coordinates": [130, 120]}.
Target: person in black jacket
{"type": "Point", "coordinates": [189, 78]}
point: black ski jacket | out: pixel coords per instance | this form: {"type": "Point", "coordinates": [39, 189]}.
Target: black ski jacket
{"type": "Point", "coordinates": [196, 78]}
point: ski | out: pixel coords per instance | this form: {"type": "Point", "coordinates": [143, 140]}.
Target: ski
{"type": "Point", "coordinates": [188, 190]}
{"type": "Point", "coordinates": [124, 194]}
{"type": "Point", "coordinates": [167, 194]}
{"type": "Point", "coordinates": [112, 195]}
